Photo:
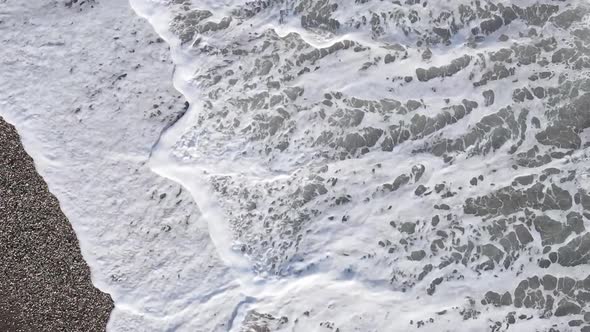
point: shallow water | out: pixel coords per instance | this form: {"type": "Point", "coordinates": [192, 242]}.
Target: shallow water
{"type": "Point", "coordinates": [339, 150]}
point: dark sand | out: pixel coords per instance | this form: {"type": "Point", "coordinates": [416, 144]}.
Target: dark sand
{"type": "Point", "coordinates": [44, 281]}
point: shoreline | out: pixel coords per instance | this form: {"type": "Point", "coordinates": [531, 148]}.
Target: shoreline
{"type": "Point", "coordinates": [97, 97]}
{"type": "Point", "coordinates": [46, 283]}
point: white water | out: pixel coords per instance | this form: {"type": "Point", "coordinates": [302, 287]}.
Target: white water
{"type": "Point", "coordinates": [364, 301]}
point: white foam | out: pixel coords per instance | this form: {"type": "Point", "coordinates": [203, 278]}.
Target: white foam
{"type": "Point", "coordinates": [333, 283]}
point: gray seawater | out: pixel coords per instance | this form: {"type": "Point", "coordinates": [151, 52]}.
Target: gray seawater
{"type": "Point", "coordinates": [432, 153]}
